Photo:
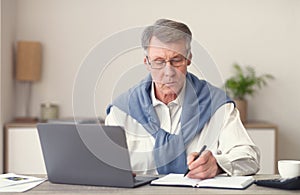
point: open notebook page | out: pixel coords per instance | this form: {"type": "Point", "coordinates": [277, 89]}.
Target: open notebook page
{"type": "Point", "coordinates": [221, 181]}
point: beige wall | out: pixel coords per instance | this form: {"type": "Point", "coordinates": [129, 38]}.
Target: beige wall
{"type": "Point", "coordinates": [264, 34]}
{"type": "Point", "coordinates": [1, 123]}
{"type": "Point", "coordinates": [8, 15]}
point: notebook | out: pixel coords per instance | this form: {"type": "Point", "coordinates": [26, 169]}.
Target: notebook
{"type": "Point", "coordinates": [220, 181]}
{"type": "Point", "coordinates": [87, 154]}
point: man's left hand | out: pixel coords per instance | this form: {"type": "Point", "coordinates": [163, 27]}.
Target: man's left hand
{"type": "Point", "coordinates": [203, 167]}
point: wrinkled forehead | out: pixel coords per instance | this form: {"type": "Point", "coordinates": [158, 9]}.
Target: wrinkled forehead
{"type": "Point", "coordinates": [156, 46]}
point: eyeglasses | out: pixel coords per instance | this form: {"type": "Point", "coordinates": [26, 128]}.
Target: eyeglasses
{"type": "Point", "coordinates": [161, 63]}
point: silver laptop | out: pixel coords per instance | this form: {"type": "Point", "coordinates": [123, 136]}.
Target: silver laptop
{"type": "Point", "coordinates": [87, 154]}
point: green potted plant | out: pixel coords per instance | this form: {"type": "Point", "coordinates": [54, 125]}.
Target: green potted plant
{"type": "Point", "coordinates": [244, 82]}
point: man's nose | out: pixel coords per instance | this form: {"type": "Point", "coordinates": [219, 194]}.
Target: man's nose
{"type": "Point", "coordinates": [169, 69]}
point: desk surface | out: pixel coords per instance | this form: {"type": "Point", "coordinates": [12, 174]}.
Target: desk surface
{"type": "Point", "coordinates": [50, 188]}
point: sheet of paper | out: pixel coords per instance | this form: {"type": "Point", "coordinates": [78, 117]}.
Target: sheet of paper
{"type": "Point", "coordinates": [21, 187]}
{"type": "Point", "coordinates": [11, 179]}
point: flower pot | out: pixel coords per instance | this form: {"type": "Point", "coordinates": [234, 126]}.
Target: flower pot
{"type": "Point", "coordinates": [242, 107]}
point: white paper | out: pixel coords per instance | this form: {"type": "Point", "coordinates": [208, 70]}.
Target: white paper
{"type": "Point", "coordinates": [21, 187]}
{"type": "Point", "coordinates": [10, 181]}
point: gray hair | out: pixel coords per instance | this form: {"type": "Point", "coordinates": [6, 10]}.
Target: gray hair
{"type": "Point", "coordinates": [167, 31]}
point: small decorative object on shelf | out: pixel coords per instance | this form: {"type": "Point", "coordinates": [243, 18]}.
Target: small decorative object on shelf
{"type": "Point", "coordinates": [244, 82]}
{"type": "Point", "coordinates": [49, 111]}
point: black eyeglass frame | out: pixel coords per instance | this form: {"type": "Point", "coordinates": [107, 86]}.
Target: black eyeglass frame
{"type": "Point", "coordinates": [165, 63]}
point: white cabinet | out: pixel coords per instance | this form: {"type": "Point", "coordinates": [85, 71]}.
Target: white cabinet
{"type": "Point", "coordinates": [264, 135]}
{"type": "Point", "coordinates": [23, 154]}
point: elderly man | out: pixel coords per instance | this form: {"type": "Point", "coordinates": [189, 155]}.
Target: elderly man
{"type": "Point", "coordinates": [171, 114]}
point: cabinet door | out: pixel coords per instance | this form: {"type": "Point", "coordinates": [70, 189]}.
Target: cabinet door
{"type": "Point", "coordinates": [24, 154]}
{"type": "Point", "coordinates": [265, 141]}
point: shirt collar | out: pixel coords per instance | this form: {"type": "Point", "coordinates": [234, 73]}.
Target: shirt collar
{"type": "Point", "coordinates": [177, 101]}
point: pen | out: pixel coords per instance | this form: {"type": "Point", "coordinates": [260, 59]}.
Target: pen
{"type": "Point", "coordinates": [199, 154]}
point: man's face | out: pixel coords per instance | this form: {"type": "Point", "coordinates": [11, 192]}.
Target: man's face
{"type": "Point", "coordinates": [168, 80]}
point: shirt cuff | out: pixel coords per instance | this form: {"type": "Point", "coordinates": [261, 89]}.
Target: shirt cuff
{"type": "Point", "coordinates": [224, 163]}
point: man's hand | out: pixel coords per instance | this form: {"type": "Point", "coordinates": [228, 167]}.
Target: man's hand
{"type": "Point", "coordinates": [204, 167]}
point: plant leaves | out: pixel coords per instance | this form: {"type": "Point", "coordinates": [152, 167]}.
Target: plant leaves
{"type": "Point", "coordinates": [245, 82]}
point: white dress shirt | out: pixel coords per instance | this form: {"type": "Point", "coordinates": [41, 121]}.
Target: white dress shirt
{"type": "Point", "coordinates": [233, 149]}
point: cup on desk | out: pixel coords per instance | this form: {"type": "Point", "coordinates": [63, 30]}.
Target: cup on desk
{"type": "Point", "coordinates": [289, 168]}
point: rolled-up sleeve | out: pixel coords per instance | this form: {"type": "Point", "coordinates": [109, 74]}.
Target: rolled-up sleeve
{"type": "Point", "coordinates": [236, 153]}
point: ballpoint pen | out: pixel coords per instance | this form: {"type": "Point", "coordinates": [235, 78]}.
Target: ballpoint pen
{"type": "Point", "coordinates": [199, 154]}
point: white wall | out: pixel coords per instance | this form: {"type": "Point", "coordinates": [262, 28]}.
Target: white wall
{"type": "Point", "coordinates": [8, 16]}
{"type": "Point", "coordinates": [264, 34]}
{"type": "Point", "coordinates": [1, 122]}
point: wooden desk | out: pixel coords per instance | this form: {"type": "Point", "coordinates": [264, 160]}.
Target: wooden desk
{"type": "Point", "coordinates": [50, 188]}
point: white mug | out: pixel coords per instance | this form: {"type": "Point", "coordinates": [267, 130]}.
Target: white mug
{"type": "Point", "coordinates": [289, 168]}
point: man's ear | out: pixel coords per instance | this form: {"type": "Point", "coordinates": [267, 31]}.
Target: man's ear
{"type": "Point", "coordinates": [189, 60]}
{"type": "Point", "coordinates": [146, 63]}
